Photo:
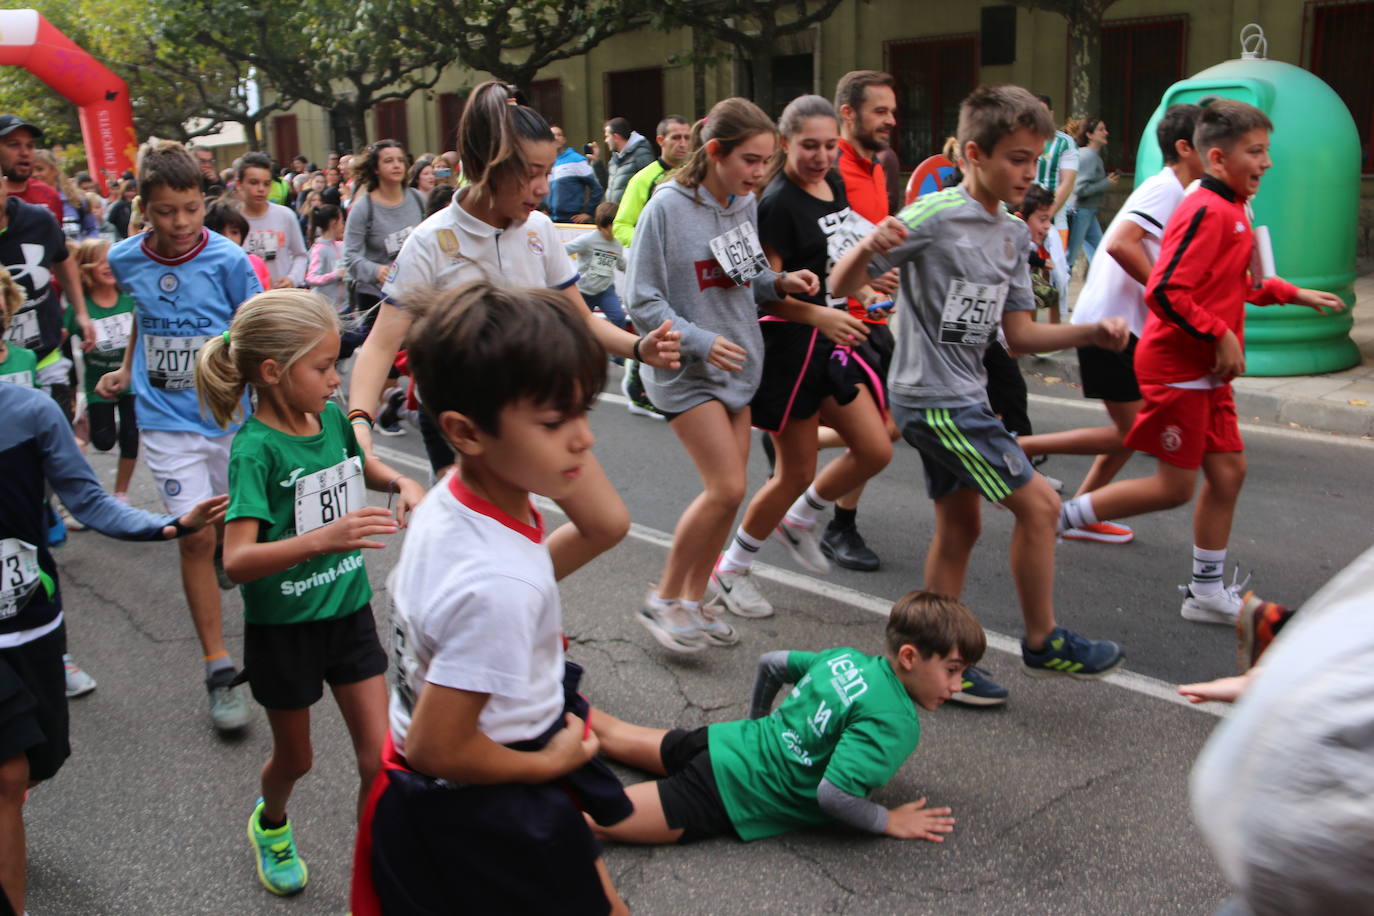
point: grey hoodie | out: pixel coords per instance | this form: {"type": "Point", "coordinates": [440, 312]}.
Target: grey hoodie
{"type": "Point", "coordinates": [673, 274]}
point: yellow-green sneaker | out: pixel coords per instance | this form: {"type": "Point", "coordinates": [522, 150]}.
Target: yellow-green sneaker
{"type": "Point", "coordinates": [280, 869]}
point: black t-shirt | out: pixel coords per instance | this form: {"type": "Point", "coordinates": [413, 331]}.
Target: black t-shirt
{"type": "Point", "coordinates": [797, 226]}
{"type": "Point", "coordinates": [29, 247]}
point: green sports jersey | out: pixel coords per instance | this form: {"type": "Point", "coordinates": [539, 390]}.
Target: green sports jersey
{"type": "Point", "coordinates": [294, 484]}
{"type": "Point", "coordinates": [111, 337]}
{"type": "Point", "coordinates": [848, 719]}
{"type": "Point", "coordinates": [1047, 166]}
{"type": "Point", "coordinates": [19, 367]}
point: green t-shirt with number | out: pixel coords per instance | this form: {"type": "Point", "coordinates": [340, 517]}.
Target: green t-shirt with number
{"type": "Point", "coordinates": [294, 484]}
{"type": "Point", "coordinates": [19, 367]}
{"type": "Point", "coordinates": [111, 337]}
{"type": "Point", "coordinates": [848, 719]}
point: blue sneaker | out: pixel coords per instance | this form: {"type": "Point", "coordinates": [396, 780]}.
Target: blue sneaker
{"type": "Point", "coordinates": [1068, 653]}
{"type": "Point", "coordinates": [979, 689]}
{"type": "Point", "coordinates": [57, 531]}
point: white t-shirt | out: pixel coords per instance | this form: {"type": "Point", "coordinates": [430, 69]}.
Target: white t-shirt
{"type": "Point", "coordinates": [475, 607]}
{"type": "Point", "coordinates": [1109, 291]}
{"type": "Point", "coordinates": [453, 247]}
{"type": "Point", "coordinates": [276, 238]}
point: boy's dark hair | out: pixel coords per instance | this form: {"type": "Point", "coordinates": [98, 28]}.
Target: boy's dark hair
{"type": "Point", "coordinates": [323, 215]}
{"type": "Point", "coordinates": [990, 113]}
{"type": "Point", "coordinates": [935, 625]}
{"type": "Point", "coordinates": [480, 347]}
{"type": "Point", "coordinates": [440, 196]}
{"type": "Point", "coordinates": [605, 214]}
{"type": "Point", "coordinates": [255, 161]}
{"type": "Point", "coordinates": [852, 86]}
{"type": "Point", "coordinates": [1179, 123]}
{"type": "Point", "coordinates": [620, 127]}
{"type": "Point", "coordinates": [166, 165]}
{"type": "Point", "coordinates": [225, 213]}
{"type": "Point", "coordinates": [1045, 100]}
{"type": "Point", "coordinates": [1222, 122]}
{"type": "Point", "coordinates": [1037, 198]}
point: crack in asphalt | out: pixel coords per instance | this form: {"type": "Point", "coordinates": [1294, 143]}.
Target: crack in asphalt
{"type": "Point", "coordinates": [72, 581]}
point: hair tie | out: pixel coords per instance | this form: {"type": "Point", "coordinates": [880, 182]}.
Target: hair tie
{"type": "Point", "coordinates": [225, 335]}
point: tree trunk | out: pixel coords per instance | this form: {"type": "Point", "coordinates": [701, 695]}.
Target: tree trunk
{"type": "Point", "coordinates": [1085, 60]}
{"type": "Point", "coordinates": [701, 46]}
{"type": "Point", "coordinates": [357, 125]}
{"type": "Point", "coordinates": [250, 133]}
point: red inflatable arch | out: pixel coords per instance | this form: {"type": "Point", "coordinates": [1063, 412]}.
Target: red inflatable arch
{"type": "Point", "coordinates": [102, 99]}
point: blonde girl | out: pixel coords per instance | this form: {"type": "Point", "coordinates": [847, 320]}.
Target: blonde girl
{"type": "Point", "coordinates": [493, 223]}
{"type": "Point", "coordinates": [298, 519]}
{"type": "Point", "coordinates": [697, 262]}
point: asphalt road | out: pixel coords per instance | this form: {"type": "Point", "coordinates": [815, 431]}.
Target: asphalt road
{"type": "Point", "coordinates": [1071, 799]}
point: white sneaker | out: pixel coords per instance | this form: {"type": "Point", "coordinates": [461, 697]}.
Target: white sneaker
{"type": "Point", "coordinates": [673, 627]}
{"type": "Point", "coordinates": [1219, 607]}
{"type": "Point", "coordinates": [803, 545]}
{"type": "Point", "coordinates": [709, 624]}
{"type": "Point", "coordinates": [79, 683]}
{"type": "Point", "coordinates": [1055, 483]}
{"type": "Point", "coordinates": [736, 590]}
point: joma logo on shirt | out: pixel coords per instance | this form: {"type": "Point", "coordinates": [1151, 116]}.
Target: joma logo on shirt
{"type": "Point", "coordinates": [710, 273]}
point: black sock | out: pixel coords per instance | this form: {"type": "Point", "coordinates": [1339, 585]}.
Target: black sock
{"type": "Point", "coordinates": [265, 824]}
{"type": "Point", "coordinates": [844, 518]}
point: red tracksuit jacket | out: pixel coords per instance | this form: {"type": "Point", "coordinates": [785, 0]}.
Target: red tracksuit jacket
{"type": "Point", "coordinates": [1199, 286]}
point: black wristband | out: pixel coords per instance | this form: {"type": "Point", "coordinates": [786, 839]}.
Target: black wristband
{"type": "Point", "coordinates": [634, 350]}
{"type": "Point", "coordinates": [182, 530]}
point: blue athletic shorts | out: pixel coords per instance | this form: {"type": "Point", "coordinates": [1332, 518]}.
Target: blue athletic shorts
{"type": "Point", "coordinates": [965, 446]}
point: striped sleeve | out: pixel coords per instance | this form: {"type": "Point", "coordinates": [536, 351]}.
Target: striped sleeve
{"type": "Point", "coordinates": [1186, 259]}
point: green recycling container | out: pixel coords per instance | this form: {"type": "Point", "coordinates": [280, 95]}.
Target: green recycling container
{"type": "Point", "coordinates": [1309, 200]}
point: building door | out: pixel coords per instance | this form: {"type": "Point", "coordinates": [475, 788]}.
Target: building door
{"type": "Point", "coordinates": [286, 141]}
{"type": "Point", "coordinates": [636, 95]}
{"type": "Point", "coordinates": [933, 76]}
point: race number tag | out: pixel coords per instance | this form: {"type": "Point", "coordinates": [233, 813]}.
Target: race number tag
{"type": "Point", "coordinates": [263, 243]}
{"type": "Point", "coordinates": [972, 312]}
{"type": "Point", "coordinates": [739, 253]}
{"type": "Point", "coordinates": [18, 574]}
{"type": "Point", "coordinates": [24, 329]}
{"type": "Point", "coordinates": [172, 361]}
{"type": "Point", "coordinates": [846, 235]}
{"type": "Point", "coordinates": [395, 240]}
{"type": "Point", "coordinates": [328, 495]}
{"type": "Point", "coordinates": [112, 332]}
{"type": "Point", "coordinates": [604, 260]}
{"type": "Point", "coordinates": [22, 379]}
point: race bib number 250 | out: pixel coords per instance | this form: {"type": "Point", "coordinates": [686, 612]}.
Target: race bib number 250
{"type": "Point", "coordinates": [972, 312]}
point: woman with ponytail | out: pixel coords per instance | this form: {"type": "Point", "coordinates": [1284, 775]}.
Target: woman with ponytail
{"type": "Point", "coordinates": [297, 521]}
{"type": "Point", "coordinates": [494, 231]}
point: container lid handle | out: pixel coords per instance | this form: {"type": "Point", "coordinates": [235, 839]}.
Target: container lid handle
{"type": "Point", "coordinates": [1253, 45]}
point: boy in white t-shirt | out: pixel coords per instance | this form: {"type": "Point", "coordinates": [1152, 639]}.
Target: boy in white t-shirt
{"type": "Point", "coordinates": [488, 739]}
{"type": "Point", "coordinates": [1116, 287]}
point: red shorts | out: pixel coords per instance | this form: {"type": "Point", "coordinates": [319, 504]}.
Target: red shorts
{"type": "Point", "coordinates": [1180, 425]}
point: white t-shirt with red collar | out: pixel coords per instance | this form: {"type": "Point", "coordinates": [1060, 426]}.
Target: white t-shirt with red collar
{"type": "Point", "coordinates": [476, 607]}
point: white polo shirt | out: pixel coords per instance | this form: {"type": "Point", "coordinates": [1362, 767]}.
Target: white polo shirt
{"type": "Point", "coordinates": [454, 247]}
{"type": "Point", "coordinates": [1109, 291]}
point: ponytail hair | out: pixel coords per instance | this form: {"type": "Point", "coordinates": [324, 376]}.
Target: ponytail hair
{"type": "Point", "coordinates": [730, 122]}
{"type": "Point", "coordinates": [798, 111]}
{"type": "Point", "coordinates": [493, 124]}
{"type": "Point", "coordinates": [278, 324]}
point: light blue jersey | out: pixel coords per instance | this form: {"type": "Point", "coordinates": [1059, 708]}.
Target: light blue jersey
{"type": "Point", "coordinates": [180, 304]}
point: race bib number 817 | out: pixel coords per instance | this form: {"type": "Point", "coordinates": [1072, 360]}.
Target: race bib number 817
{"type": "Point", "coordinates": [327, 496]}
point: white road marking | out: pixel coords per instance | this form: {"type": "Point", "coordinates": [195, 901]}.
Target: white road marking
{"type": "Point", "coordinates": [1130, 680]}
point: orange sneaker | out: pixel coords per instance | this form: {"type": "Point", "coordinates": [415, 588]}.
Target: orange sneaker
{"type": "Point", "coordinates": [1257, 624]}
{"type": "Point", "coordinates": [1102, 532]}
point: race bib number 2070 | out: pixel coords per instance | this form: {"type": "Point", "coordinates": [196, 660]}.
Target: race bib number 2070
{"type": "Point", "coordinates": [172, 361]}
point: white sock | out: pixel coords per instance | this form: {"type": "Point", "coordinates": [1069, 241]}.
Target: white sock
{"type": "Point", "coordinates": [1077, 512]}
{"type": "Point", "coordinates": [808, 506]}
{"type": "Point", "coordinates": [1208, 568]}
{"type": "Point", "coordinates": [658, 601]}
{"type": "Point", "coordinates": [740, 552]}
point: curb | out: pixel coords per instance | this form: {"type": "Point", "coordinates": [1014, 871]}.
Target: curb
{"type": "Point", "coordinates": [1049, 375]}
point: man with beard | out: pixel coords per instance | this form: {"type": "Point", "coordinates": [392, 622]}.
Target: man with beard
{"type": "Point", "coordinates": [17, 144]}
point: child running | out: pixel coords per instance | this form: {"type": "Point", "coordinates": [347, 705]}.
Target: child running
{"type": "Point", "coordinates": [697, 263]}
{"type": "Point", "coordinates": [1115, 285]}
{"type": "Point", "coordinates": [1190, 350]}
{"type": "Point", "coordinates": [226, 218]}
{"type": "Point", "coordinates": [111, 312]}
{"type": "Point", "coordinates": [493, 231]}
{"type": "Point", "coordinates": [599, 255]}
{"type": "Point", "coordinates": [37, 450]}
{"type": "Point", "coordinates": [297, 521]}
{"type": "Point", "coordinates": [186, 283]}
{"type": "Point", "coordinates": [273, 232]}
{"type": "Point", "coordinates": [18, 365]}
{"type": "Point", "coordinates": [326, 272]}
{"type": "Point", "coordinates": [475, 807]}
{"type": "Point", "coordinates": [844, 730]}
{"type": "Point", "coordinates": [811, 369]}
{"type": "Point", "coordinates": [963, 274]}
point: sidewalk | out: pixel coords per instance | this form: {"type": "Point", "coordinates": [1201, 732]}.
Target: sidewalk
{"type": "Point", "coordinates": [1338, 402]}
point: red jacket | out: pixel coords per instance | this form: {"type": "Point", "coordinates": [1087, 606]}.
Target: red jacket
{"type": "Point", "coordinates": [865, 186]}
{"type": "Point", "coordinates": [1199, 286]}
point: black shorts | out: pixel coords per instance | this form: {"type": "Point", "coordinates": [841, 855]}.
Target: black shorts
{"type": "Point", "coordinates": [286, 665]}
{"type": "Point", "coordinates": [435, 848]}
{"type": "Point", "coordinates": [801, 368]}
{"type": "Point", "coordinates": [1109, 376]}
{"type": "Point", "coordinates": [33, 704]}
{"type": "Point", "coordinates": [690, 797]}
{"type": "Point", "coordinates": [877, 352]}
